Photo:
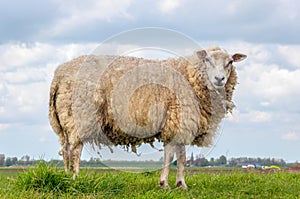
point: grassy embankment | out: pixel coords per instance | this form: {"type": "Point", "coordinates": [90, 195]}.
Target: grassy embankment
{"type": "Point", "coordinates": [46, 181]}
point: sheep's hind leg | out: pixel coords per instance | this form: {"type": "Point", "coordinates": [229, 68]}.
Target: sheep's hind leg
{"type": "Point", "coordinates": [66, 156]}
{"type": "Point", "coordinates": [168, 157]}
{"type": "Point", "coordinates": [71, 152]}
{"type": "Point", "coordinates": [181, 160]}
{"type": "Point", "coordinates": [65, 151]}
{"type": "Point", "coordinates": [76, 153]}
{"type": "Point", "coordinates": [76, 146]}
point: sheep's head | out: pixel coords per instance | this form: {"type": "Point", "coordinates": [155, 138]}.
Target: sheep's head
{"type": "Point", "coordinates": [218, 64]}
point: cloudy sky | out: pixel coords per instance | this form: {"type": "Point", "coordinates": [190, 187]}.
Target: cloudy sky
{"type": "Point", "coordinates": [37, 36]}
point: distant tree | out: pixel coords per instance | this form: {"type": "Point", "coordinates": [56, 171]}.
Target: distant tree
{"type": "Point", "coordinates": [223, 159]}
{"type": "Point", "coordinates": [259, 160]}
{"type": "Point", "coordinates": [59, 163]}
{"type": "Point", "coordinates": [8, 162]}
{"type": "Point", "coordinates": [11, 161]}
{"type": "Point", "coordinates": [2, 159]}
{"type": "Point", "coordinates": [212, 161]}
{"type": "Point", "coordinates": [14, 160]}
{"type": "Point", "coordinates": [201, 162]}
{"type": "Point", "coordinates": [25, 158]}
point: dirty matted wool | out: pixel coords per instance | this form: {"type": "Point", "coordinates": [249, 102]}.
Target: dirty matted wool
{"type": "Point", "coordinates": [115, 100]}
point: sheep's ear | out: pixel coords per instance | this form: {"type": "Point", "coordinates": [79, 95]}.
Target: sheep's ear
{"type": "Point", "coordinates": [201, 54]}
{"type": "Point", "coordinates": [238, 57]}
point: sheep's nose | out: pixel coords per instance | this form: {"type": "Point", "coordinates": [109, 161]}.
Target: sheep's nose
{"type": "Point", "coordinates": [220, 79]}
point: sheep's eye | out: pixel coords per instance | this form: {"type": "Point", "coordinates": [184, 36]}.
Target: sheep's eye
{"type": "Point", "coordinates": [229, 63]}
{"type": "Point", "coordinates": [207, 60]}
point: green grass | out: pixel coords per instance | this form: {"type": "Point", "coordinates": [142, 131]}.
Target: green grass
{"type": "Point", "coordinates": [47, 181]}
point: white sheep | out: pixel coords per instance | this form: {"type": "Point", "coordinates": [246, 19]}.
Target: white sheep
{"type": "Point", "coordinates": [116, 100]}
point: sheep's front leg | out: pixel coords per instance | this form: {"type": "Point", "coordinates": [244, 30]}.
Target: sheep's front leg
{"type": "Point", "coordinates": [181, 160]}
{"type": "Point", "coordinates": [168, 157]}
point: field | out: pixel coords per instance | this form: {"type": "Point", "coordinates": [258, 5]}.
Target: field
{"type": "Point", "coordinates": [47, 181]}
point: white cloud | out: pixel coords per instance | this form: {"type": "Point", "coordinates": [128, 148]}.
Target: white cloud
{"type": "Point", "coordinates": [43, 139]}
{"type": "Point", "coordinates": [265, 103]}
{"type": "Point", "coordinates": [29, 55]}
{"type": "Point", "coordinates": [259, 116]}
{"type": "Point", "coordinates": [91, 19]}
{"type": "Point", "coordinates": [291, 54]}
{"type": "Point", "coordinates": [168, 6]}
{"type": "Point", "coordinates": [28, 98]}
{"type": "Point", "coordinates": [277, 83]}
{"type": "Point", "coordinates": [266, 78]}
{"type": "Point", "coordinates": [251, 116]}
{"type": "Point", "coordinates": [4, 126]}
{"type": "Point", "coordinates": [115, 49]}
{"type": "Point", "coordinates": [78, 13]}
{"type": "Point", "coordinates": [25, 103]}
{"type": "Point", "coordinates": [72, 50]}
{"type": "Point", "coordinates": [13, 55]}
{"type": "Point", "coordinates": [290, 136]}
{"type": "Point", "coordinates": [288, 9]}
{"type": "Point", "coordinates": [25, 76]}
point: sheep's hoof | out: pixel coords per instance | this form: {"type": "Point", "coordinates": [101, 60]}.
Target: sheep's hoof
{"type": "Point", "coordinates": [163, 184]}
{"type": "Point", "coordinates": [182, 185]}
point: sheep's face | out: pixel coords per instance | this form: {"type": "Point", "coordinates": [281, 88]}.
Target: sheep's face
{"type": "Point", "coordinates": [218, 64]}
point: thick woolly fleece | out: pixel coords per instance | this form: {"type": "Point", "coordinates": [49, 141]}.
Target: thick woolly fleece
{"type": "Point", "coordinates": [115, 100]}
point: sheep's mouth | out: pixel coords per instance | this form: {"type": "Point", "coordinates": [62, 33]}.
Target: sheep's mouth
{"type": "Point", "coordinates": [218, 85]}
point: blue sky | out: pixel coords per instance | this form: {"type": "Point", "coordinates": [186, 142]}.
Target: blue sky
{"type": "Point", "coordinates": [37, 36]}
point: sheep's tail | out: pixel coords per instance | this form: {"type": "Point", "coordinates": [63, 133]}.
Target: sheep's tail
{"type": "Point", "coordinates": [53, 115]}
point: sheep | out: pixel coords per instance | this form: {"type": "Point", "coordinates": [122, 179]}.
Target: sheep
{"type": "Point", "coordinates": [121, 100]}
